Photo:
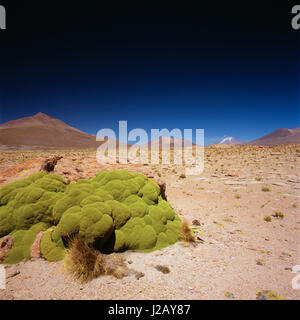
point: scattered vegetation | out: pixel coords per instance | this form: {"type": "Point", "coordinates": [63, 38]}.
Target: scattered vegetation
{"type": "Point", "coordinates": [267, 252]}
{"type": "Point", "coordinates": [186, 233]}
{"type": "Point", "coordinates": [218, 224]}
{"type": "Point", "coordinates": [265, 189]}
{"type": "Point", "coordinates": [278, 214]}
{"type": "Point", "coordinates": [84, 263]}
{"type": "Point", "coordinates": [238, 231]}
{"type": "Point", "coordinates": [286, 254]}
{"type": "Point", "coordinates": [182, 176]}
{"type": "Point", "coordinates": [228, 294]}
{"type": "Point", "coordinates": [268, 295]}
{"type": "Point", "coordinates": [267, 218]}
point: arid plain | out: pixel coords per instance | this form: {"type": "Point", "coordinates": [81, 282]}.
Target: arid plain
{"type": "Point", "coordinates": [243, 208]}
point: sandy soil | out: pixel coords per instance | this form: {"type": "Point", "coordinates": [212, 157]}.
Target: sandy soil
{"type": "Point", "coordinates": [237, 252]}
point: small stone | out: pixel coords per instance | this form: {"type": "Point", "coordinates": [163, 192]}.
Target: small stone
{"type": "Point", "coordinates": [139, 275]}
{"type": "Point", "coordinates": [196, 222]}
{"type": "Point", "coordinates": [163, 269]}
{"type": "Point", "coordinates": [6, 243]}
{"type": "Point", "coordinates": [259, 262]}
{"type": "Point", "coordinates": [199, 239]}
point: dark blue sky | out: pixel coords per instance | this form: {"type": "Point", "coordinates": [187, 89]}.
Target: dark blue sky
{"type": "Point", "coordinates": [231, 75]}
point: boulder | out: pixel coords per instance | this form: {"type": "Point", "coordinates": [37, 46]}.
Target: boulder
{"type": "Point", "coordinates": [35, 250]}
{"type": "Point", "coordinates": [49, 164]}
{"type": "Point", "coordinates": [6, 243]}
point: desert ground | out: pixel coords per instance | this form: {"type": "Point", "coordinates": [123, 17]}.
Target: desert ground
{"type": "Point", "coordinates": [243, 208]}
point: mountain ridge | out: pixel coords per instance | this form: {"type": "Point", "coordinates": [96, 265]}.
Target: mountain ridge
{"type": "Point", "coordinates": [278, 136]}
{"type": "Point", "coordinates": [43, 131]}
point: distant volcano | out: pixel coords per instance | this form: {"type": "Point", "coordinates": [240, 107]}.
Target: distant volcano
{"type": "Point", "coordinates": [230, 140]}
{"type": "Point", "coordinates": [42, 131]}
{"type": "Point", "coordinates": [279, 136]}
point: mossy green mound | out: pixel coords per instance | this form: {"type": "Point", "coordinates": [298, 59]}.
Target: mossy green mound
{"type": "Point", "coordinates": [29, 201]}
{"type": "Point", "coordinates": [113, 211]}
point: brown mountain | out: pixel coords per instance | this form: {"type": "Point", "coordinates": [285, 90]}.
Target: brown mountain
{"type": "Point", "coordinates": [42, 131]}
{"type": "Point", "coordinates": [280, 136]}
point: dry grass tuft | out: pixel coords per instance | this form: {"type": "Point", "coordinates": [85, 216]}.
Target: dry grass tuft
{"type": "Point", "coordinates": [186, 233]}
{"type": "Point", "coordinates": [278, 214]}
{"type": "Point", "coordinates": [267, 218]}
{"type": "Point", "coordinates": [84, 263]}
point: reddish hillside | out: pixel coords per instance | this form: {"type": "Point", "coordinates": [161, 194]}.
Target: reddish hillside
{"type": "Point", "coordinates": [277, 137]}
{"type": "Point", "coordinates": [43, 131]}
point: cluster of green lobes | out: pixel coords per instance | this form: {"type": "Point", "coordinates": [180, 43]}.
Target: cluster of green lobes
{"type": "Point", "coordinates": [113, 211]}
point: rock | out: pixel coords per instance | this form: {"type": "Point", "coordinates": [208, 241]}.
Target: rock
{"type": "Point", "coordinates": [139, 275]}
{"type": "Point", "coordinates": [35, 250]}
{"type": "Point", "coordinates": [49, 164]}
{"type": "Point", "coordinates": [199, 239]}
{"type": "Point", "coordinates": [163, 269]}
{"type": "Point", "coordinates": [163, 187]}
{"type": "Point", "coordinates": [6, 243]}
{"type": "Point", "coordinates": [259, 262]}
{"type": "Point", "coordinates": [196, 222]}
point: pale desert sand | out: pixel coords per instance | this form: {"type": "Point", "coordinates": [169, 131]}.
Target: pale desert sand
{"type": "Point", "coordinates": [237, 254]}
